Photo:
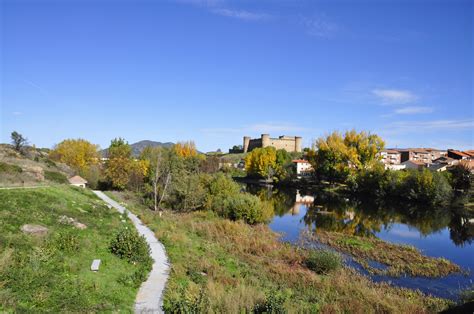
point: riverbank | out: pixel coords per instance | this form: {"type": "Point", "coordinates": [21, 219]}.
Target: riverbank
{"type": "Point", "coordinates": [225, 266]}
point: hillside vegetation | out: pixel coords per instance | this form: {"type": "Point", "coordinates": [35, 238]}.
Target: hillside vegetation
{"type": "Point", "coordinates": [32, 168]}
{"type": "Point", "coordinates": [48, 270]}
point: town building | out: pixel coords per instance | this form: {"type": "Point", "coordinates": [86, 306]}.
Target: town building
{"type": "Point", "coordinates": [459, 155]}
{"type": "Point", "coordinates": [78, 181]}
{"type": "Point", "coordinates": [426, 155]}
{"type": "Point", "coordinates": [446, 160]}
{"type": "Point", "coordinates": [414, 164]}
{"type": "Point", "coordinates": [303, 168]}
{"type": "Point", "coordinates": [289, 143]}
{"type": "Point", "coordinates": [390, 157]}
{"type": "Point", "coordinates": [438, 167]}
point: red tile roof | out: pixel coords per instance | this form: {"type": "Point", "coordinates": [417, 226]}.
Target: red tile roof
{"type": "Point", "coordinates": [77, 180]}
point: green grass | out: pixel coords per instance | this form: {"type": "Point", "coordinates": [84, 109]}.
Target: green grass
{"type": "Point", "coordinates": [223, 266]}
{"type": "Point", "coordinates": [359, 243]}
{"type": "Point", "coordinates": [55, 176]}
{"type": "Point", "coordinates": [52, 272]}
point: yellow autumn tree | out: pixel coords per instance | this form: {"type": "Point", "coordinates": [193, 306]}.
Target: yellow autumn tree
{"type": "Point", "coordinates": [336, 156]}
{"type": "Point", "coordinates": [261, 162]}
{"type": "Point", "coordinates": [78, 154]}
{"type": "Point", "coordinates": [185, 149]}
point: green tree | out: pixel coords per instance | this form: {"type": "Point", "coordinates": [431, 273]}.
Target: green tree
{"type": "Point", "coordinates": [18, 141]}
{"type": "Point", "coordinates": [461, 176]}
{"type": "Point", "coordinates": [119, 163]}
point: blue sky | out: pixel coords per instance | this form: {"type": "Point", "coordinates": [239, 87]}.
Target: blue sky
{"type": "Point", "coordinates": [214, 71]}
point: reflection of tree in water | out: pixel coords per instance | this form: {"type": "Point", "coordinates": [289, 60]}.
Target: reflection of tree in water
{"type": "Point", "coordinates": [332, 211]}
{"type": "Point", "coordinates": [461, 227]}
{"type": "Point", "coordinates": [281, 201]}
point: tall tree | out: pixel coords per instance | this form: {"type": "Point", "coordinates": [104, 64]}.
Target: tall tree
{"type": "Point", "coordinates": [261, 162]}
{"type": "Point", "coordinates": [336, 156]}
{"type": "Point", "coordinates": [18, 141]}
{"type": "Point", "coordinates": [78, 154]}
{"type": "Point", "coordinates": [185, 149]}
{"type": "Point", "coordinates": [119, 163]}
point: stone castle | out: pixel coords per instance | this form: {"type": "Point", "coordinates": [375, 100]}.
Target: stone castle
{"type": "Point", "coordinates": [288, 143]}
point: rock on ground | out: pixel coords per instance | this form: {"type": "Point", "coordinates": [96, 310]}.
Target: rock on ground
{"type": "Point", "coordinates": [34, 229]}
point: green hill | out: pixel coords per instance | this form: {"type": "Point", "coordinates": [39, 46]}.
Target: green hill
{"type": "Point", "coordinates": [50, 270]}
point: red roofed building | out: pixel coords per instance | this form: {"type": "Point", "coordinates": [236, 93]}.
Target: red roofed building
{"type": "Point", "coordinates": [78, 181]}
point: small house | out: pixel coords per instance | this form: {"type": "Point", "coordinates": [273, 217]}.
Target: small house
{"type": "Point", "coordinates": [303, 168]}
{"type": "Point", "coordinates": [78, 181]}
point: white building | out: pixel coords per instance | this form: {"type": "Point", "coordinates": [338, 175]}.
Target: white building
{"type": "Point", "coordinates": [78, 181]}
{"type": "Point", "coordinates": [303, 168]}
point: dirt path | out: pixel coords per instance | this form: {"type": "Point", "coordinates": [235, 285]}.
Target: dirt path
{"type": "Point", "coordinates": [150, 296]}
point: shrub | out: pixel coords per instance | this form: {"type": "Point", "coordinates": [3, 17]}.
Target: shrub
{"type": "Point", "coordinates": [274, 302]}
{"type": "Point", "coordinates": [246, 207]}
{"type": "Point", "coordinates": [55, 177]}
{"type": "Point", "coordinates": [136, 278]}
{"type": "Point", "coordinates": [4, 167]}
{"type": "Point", "coordinates": [184, 302]}
{"type": "Point", "coordinates": [129, 245]}
{"type": "Point", "coordinates": [323, 261]}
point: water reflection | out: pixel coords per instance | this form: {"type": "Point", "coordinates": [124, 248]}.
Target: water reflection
{"type": "Point", "coordinates": [331, 211]}
{"type": "Point", "coordinates": [447, 232]}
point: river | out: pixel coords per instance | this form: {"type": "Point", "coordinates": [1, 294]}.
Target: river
{"type": "Point", "coordinates": [447, 233]}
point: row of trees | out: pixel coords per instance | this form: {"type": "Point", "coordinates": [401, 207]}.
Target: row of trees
{"type": "Point", "coordinates": [178, 178]}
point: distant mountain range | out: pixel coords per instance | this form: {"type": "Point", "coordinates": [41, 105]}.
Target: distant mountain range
{"type": "Point", "coordinates": [138, 147]}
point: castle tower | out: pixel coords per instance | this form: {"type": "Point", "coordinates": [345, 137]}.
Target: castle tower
{"type": "Point", "coordinates": [298, 140]}
{"type": "Point", "coordinates": [246, 143]}
{"type": "Point", "coordinates": [265, 140]}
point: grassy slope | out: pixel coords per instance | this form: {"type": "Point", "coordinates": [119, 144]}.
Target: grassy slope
{"type": "Point", "coordinates": [229, 267]}
{"type": "Point", "coordinates": [32, 169]}
{"type": "Point", "coordinates": [37, 275]}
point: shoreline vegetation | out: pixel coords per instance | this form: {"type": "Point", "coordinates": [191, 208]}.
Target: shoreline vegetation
{"type": "Point", "coordinates": [229, 266]}
{"type": "Point", "coordinates": [397, 259]}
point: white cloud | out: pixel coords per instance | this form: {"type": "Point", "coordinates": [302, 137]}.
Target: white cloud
{"type": "Point", "coordinates": [394, 96]}
{"type": "Point", "coordinates": [17, 113]}
{"type": "Point", "coordinates": [241, 14]}
{"type": "Point", "coordinates": [320, 26]}
{"type": "Point", "coordinates": [413, 110]}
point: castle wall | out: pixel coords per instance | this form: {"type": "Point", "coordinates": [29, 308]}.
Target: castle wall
{"type": "Point", "coordinates": [288, 143]}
